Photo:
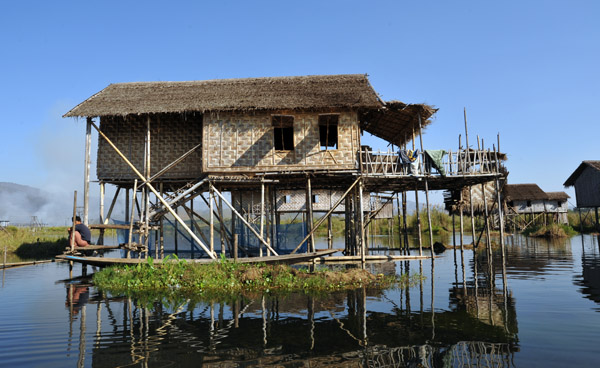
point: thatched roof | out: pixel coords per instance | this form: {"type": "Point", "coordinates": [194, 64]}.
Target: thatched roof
{"type": "Point", "coordinates": [573, 178]}
{"type": "Point", "coordinates": [523, 192]}
{"type": "Point", "coordinates": [393, 121]}
{"type": "Point", "coordinates": [307, 92]}
{"type": "Point", "coordinates": [558, 196]}
{"type": "Point", "coordinates": [397, 121]}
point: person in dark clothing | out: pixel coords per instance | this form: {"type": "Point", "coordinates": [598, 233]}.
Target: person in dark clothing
{"type": "Point", "coordinates": [83, 236]}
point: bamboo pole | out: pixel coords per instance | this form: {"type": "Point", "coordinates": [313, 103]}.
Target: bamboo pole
{"type": "Point", "coordinates": [363, 246]}
{"type": "Point", "coordinates": [243, 220]}
{"type": "Point", "coordinates": [487, 230]}
{"type": "Point", "coordinates": [86, 174]}
{"type": "Point", "coordinates": [418, 221]}
{"type": "Point", "coordinates": [211, 200]}
{"type": "Point", "coordinates": [262, 213]}
{"type": "Point", "coordinates": [102, 221]}
{"type": "Point", "coordinates": [309, 214]}
{"type": "Point", "coordinates": [72, 238]}
{"type": "Point", "coordinates": [322, 219]}
{"type": "Point", "coordinates": [133, 198]}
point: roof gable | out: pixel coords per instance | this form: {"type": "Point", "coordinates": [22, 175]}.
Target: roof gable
{"type": "Point", "coordinates": [595, 165]}
{"type": "Point", "coordinates": [523, 192]}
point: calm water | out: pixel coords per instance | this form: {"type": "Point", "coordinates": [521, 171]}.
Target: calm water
{"type": "Point", "coordinates": [547, 315]}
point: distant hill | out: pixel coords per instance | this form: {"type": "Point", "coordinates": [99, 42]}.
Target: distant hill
{"type": "Point", "coordinates": [19, 202]}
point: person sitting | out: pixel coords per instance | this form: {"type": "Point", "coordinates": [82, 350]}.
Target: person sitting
{"type": "Point", "coordinates": [82, 235]}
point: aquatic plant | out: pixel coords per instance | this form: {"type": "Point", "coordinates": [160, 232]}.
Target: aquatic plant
{"type": "Point", "coordinates": [225, 277]}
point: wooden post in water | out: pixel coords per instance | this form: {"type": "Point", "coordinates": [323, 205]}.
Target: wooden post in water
{"type": "Point", "coordinates": [418, 220]}
{"type": "Point", "coordinates": [211, 200]}
{"type": "Point", "coordinates": [72, 237]}
{"type": "Point", "coordinates": [86, 174]}
{"type": "Point", "coordinates": [133, 197]}
{"type": "Point", "coordinates": [426, 189]}
{"type": "Point", "coordinates": [235, 247]}
{"type": "Point", "coordinates": [363, 246]}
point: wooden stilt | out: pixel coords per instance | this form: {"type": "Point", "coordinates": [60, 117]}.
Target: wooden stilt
{"type": "Point", "coordinates": [262, 214]}
{"type": "Point", "coordinates": [363, 245]}
{"type": "Point", "coordinates": [73, 223]}
{"type": "Point", "coordinates": [133, 198]}
{"type": "Point", "coordinates": [101, 235]}
{"type": "Point", "coordinates": [86, 174]}
{"type": "Point", "coordinates": [418, 221]}
{"type": "Point", "coordinates": [404, 223]}
{"type": "Point", "coordinates": [309, 216]}
{"type": "Point", "coordinates": [211, 200]}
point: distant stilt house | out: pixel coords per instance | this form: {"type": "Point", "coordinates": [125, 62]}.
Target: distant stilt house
{"type": "Point", "coordinates": [223, 160]}
{"type": "Point", "coordinates": [586, 180]}
{"type": "Point", "coordinates": [528, 204]}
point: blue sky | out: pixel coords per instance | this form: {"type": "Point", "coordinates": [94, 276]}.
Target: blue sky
{"type": "Point", "coordinates": [527, 70]}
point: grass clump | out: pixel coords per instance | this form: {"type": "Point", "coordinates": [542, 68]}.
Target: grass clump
{"type": "Point", "coordinates": [225, 277]}
{"type": "Point", "coordinates": [551, 231]}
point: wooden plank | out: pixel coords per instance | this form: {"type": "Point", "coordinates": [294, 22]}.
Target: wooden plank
{"type": "Point", "coordinates": [109, 226]}
{"type": "Point", "coordinates": [288, 258]}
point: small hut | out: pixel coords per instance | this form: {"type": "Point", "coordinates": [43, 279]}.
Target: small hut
{"type": "Point", "coordinates": [528, 204]}
{"type": "Point", "coordinates": [586, 180]}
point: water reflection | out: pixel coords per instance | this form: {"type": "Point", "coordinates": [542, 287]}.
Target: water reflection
{"type": "Point", "coordinates": [337, 329]}
{"type": "Point", "coordinates": [463, 314]}
{"type": "Point", "coordinates": [589, 280]}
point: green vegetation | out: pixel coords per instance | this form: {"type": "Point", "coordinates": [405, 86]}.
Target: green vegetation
{"type": "Point", "coordinates": [585, 223]}
{"type": "Point", "coordinates": [36, 243]}
{"type": "Point", "coordinates": [550, 231]}
{"type": "Point", "coordinates": [226, 278]}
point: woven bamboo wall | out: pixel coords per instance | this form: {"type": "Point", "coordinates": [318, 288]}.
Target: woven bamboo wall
{"type": "Point", "coordinates": [244, 143]}
{"type": "Point", "coordinates": [171, 135]}
{"type": "Point", "coordinates": [295, 200]}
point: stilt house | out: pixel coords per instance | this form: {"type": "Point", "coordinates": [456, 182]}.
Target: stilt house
{"type": "Point", "coordinates": [586, 181]}
{"type": "Point", "coordinates": [274, 145]}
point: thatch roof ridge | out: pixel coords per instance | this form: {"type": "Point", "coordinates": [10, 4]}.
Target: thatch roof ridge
{"type": "Point", "coordinates": [237, 94]}
{"type": "Point", "coordinates": [594, 164]}
{"type": "Point", "coordinates": [557, 196]}
{"type": "Point", "coordinates": [524, 192]}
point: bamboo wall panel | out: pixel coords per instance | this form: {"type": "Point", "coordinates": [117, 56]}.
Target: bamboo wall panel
{"type": "Point", "coordinates": [244, 143]}
{"type": "Point", "coordinates": [170, 137]}
{"type": "Point", "coordinates": [295, 200]}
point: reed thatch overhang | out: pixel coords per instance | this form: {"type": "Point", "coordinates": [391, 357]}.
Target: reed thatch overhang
{"type": "Point", "coordinates": [558, 196]}
{"type": "Point", "coordinates": [393, 121]}
{"type": "Point", "coordinates": [594, 164]}
{"type": "Point", "coordinates": [523, 192]}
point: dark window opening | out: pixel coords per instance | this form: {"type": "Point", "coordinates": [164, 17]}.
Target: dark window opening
{"type": "Point", "coordinates": [283, 132]}
{"type": "Point", "coordinates": [328, 131]}
{"type": "Point", "coordinates": [528, 203]}
{"type": "Point", "coordinates": [315, 198]}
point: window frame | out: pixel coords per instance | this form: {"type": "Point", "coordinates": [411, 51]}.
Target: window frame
{"type": "Point", "coordinates": [328, 124]}
{"type": "Point", "coordinates": [283, 126]}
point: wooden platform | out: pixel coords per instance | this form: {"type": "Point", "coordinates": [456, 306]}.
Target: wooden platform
{"type": "Point", "coordinates": [97, 247]}
{"type": "Point", "coordinates": [287, 258]}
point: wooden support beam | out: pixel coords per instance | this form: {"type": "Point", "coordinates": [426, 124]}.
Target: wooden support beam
{"type": "Point", "coordinates": [86, 174]}
{"type": "Point", "coordinates": [243, 220]}
{"type": "Point", "coordinates": [322, 219]}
